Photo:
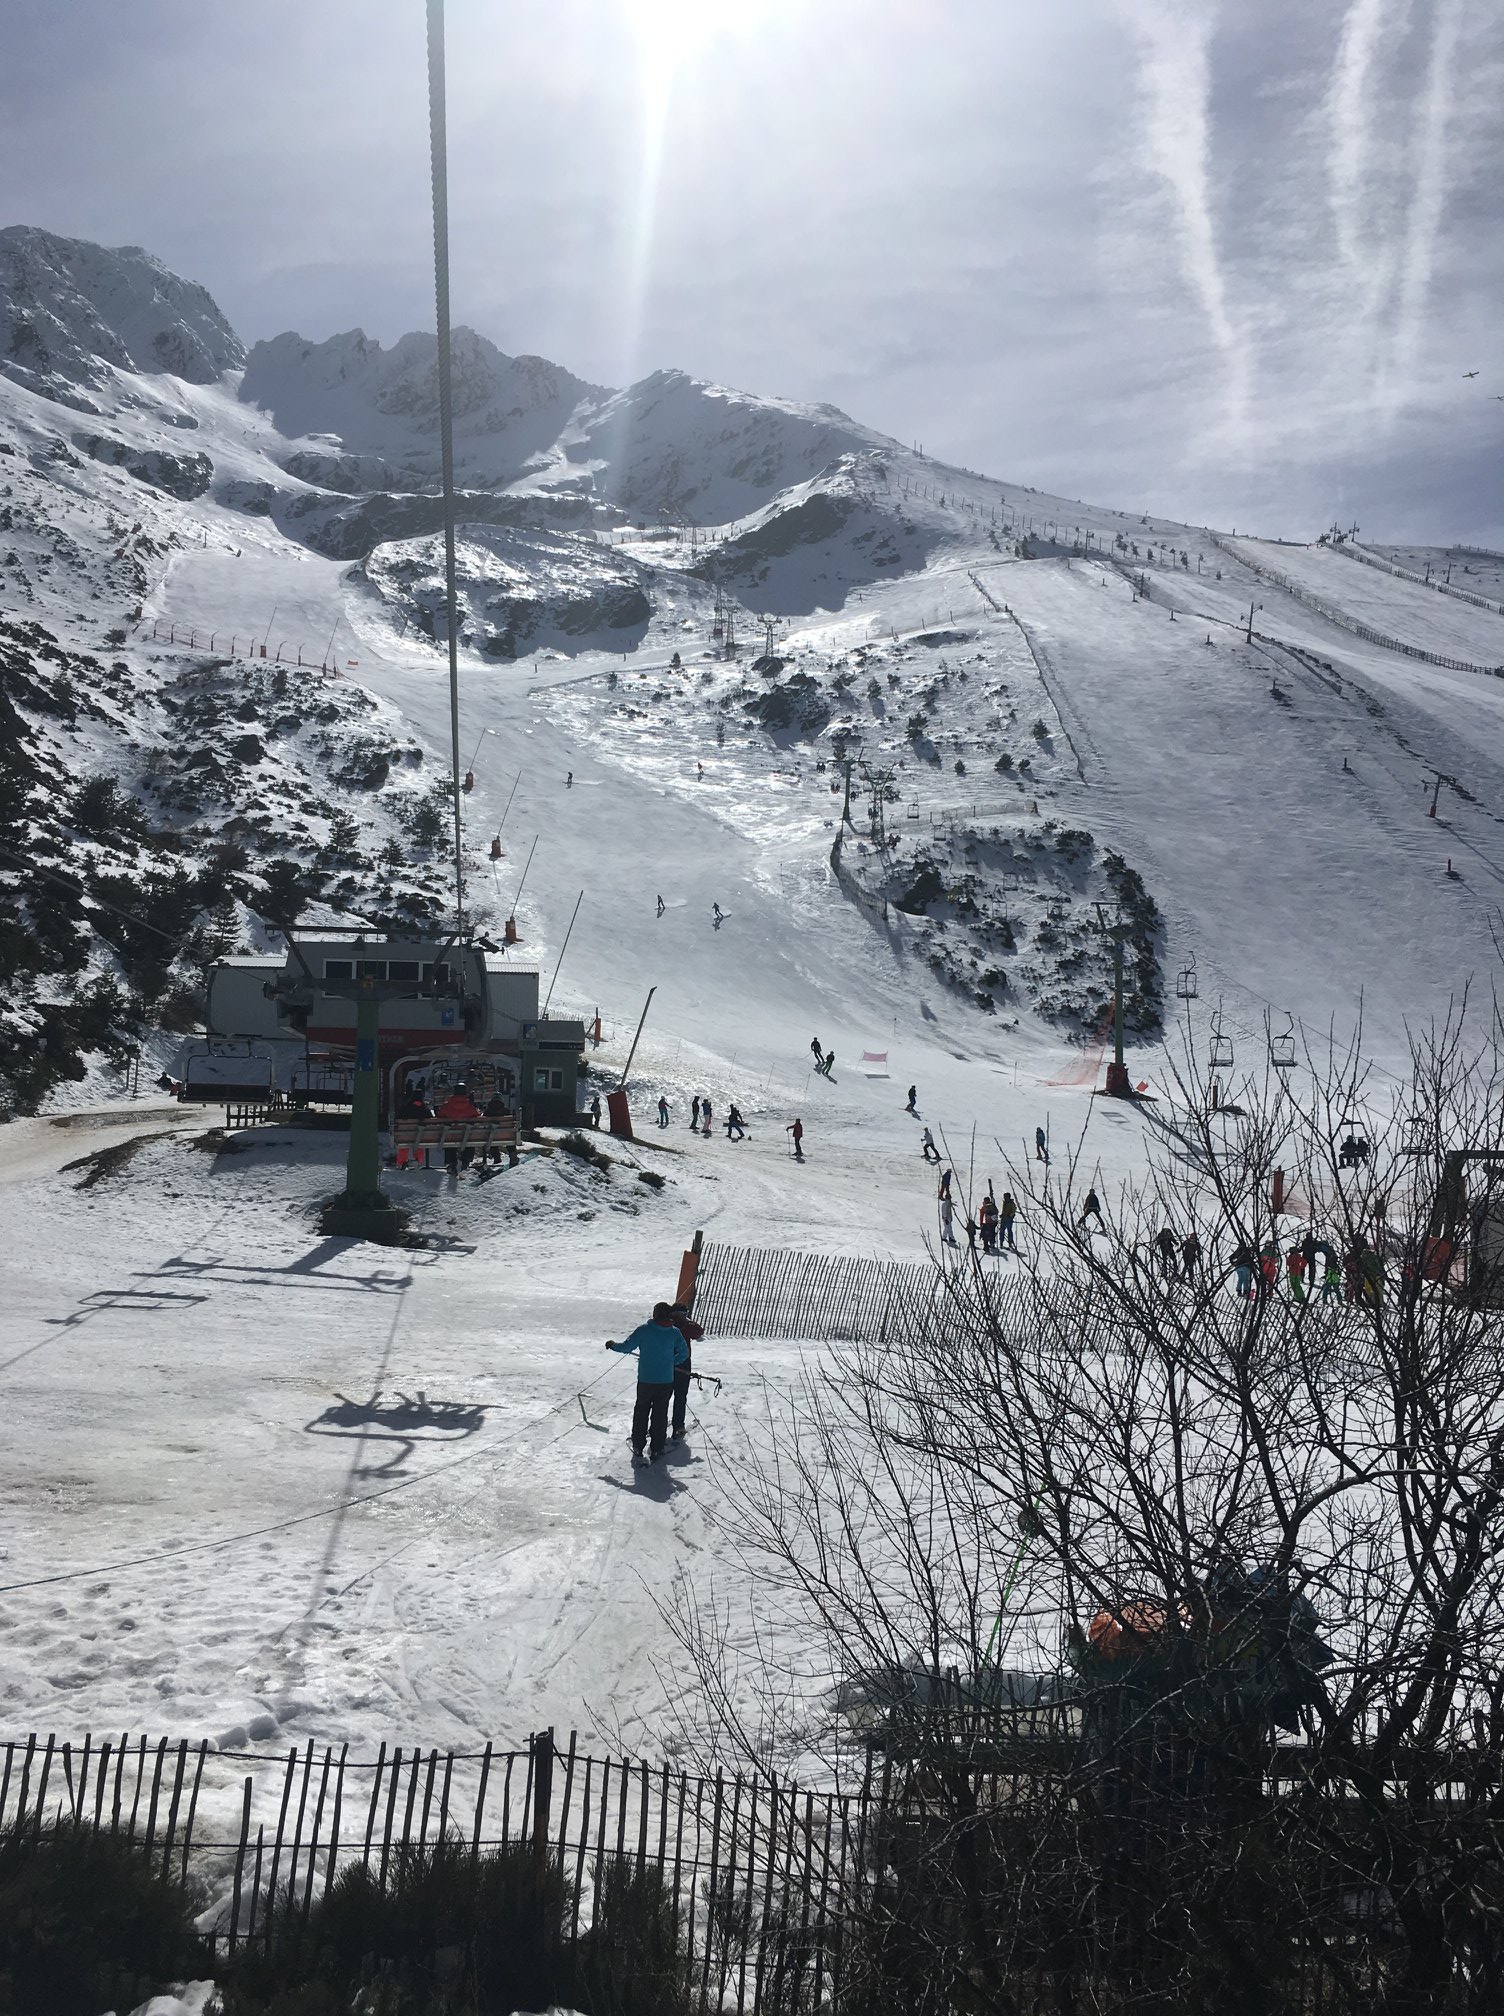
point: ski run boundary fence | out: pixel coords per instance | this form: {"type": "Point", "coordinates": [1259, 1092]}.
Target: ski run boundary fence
{"type": "Point", "coordinates": [761, 1874]}
{"type": "Point", "coordinates": [1368, 559]}
{"type": "Point", "coordinates": [747, 1291]}
{"type": "Point", "coordinates": [1343, 621]}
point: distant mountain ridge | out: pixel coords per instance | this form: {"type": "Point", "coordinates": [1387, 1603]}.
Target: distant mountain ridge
{"type": "Point", "coordinates": [361, 419]}
{"type": "Point", "coordinates": [67, 306]}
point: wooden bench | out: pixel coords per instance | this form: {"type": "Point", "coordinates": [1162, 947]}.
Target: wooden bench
{"type": "Point", "coordinates": [480, 1137]}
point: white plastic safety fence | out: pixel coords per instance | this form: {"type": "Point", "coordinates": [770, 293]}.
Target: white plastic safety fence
{"type": "Point", "coordinates": [1343, 621]}
{"type": "Point", "coordinates": [1421, 580]}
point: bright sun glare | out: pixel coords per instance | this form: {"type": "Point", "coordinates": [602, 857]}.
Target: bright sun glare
{"type": "Point", "coordinates": [669, 29]}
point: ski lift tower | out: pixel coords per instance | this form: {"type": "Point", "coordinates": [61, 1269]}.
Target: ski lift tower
{"type": "Point", "coordinates": [1118, 1084]}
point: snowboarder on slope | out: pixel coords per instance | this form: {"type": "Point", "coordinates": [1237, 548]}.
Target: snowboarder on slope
{"type": "Point", "coordinates": [662, 906]}
{"type": "Point", "coordinates": [1093, 1209]}
{"type": "Point", "coordinates": [735, 1131]}
{"type": "Point", "coordinates": [829, 1065]}
{"type": "Point", "coordinates": [718, 915]}
{"type": "Point", "coordinates": [796, 1128]}
{"type": "Point", "coordinates": [660, 1351]}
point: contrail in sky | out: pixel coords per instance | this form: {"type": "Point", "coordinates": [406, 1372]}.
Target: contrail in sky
{"type": "Point", "coordinates": [1428, 197]}
{"type": "Point", "coordinates": [1175, 76]}
{"type": "Point", "coordinates": [1347, 105]}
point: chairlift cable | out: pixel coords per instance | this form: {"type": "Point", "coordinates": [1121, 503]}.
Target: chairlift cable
{"type": "Point", "coordinates": [438, 151]}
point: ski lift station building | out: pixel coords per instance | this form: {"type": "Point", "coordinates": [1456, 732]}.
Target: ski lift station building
{"type": "Point", "coordinates": [435, 998]}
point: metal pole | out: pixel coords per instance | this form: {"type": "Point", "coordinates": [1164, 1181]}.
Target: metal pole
{"type": "Point", "coordinates": [562, 950]}
{"type": "Point", "coordinates": [438, 149]}
{"type": "Point", "coordinates": [528, 864]}
{"type": "Point", "coordinates": [633, 1051]}
{"type": "Point", "coordinates": [1117, 1003]}
{"type": "Point", "coordinates": [363, 1166]}
{"type": "Point", "coordinates": [507, 808]}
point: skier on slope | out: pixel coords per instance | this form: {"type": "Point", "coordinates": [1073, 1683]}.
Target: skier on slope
{"type": "Point", "coordinates": [948, 1220]}
{"type": "Point", "coordinates": [662, 1110]}
{"type": "Point", "coordinates": [735, 1129]}
{"type": "Point", "coordinates": [718, 915]}
{"type": "Point", "coordinates": [987, 1221]}
{"type": "Point", "coordinates": [829, 1065]}
{"type": "Point", "coordinates": [818, 1053]}
{"type": "Point", "coordinates": [1093, 1209]}
{"type": "Point", "coordinates": [911, 1107]}
{"type": "Point", "coordinates": [1041, 1147]}
{"type": "Point", "coordinates": [694, 1115]}
{"type": "Point", "coordinates": [662, 906]}
{"type": "Point", "coordinates": [660, 1350]}
{"type": "Point", "coordinates": [1007, 1212]}
{"type": "Point", "coordinates": [928, 1149]}
{"type": "Point", "coordinates": [796, 1128]}
{"type": "Point", "coordinates": [705, 1118]}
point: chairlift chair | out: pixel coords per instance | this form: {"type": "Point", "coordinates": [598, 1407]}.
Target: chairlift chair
{"type": "Point", "coordinates": [1185, 980]}
{"type": "Point", "coordinates": [1282, 1046]}
{"type": "Point", "coordinates": [1221, 1057]}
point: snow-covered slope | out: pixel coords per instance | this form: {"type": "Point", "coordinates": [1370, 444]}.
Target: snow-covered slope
{"type": "Point", "coordinates": [1049, 704]}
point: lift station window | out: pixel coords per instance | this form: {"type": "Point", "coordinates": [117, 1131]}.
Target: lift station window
{"type": "Point", "coordinates": [545, 1080]}
{"type": "Point", "coordinates": [372, 969]}
{"type": "Point", "coordinates": [403, 969]}
{"type": "Point", "coordinates": [339, 969]}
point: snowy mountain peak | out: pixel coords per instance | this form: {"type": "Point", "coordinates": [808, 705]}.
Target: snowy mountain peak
{"type": "Point", "coordinates": [68, 307]}
{"type": "Point", "coordinates": [386, 402]}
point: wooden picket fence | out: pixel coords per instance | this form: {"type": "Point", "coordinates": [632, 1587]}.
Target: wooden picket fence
{"type": "Point", "coordinates": [747, 1291]}
{"type": "Point", "coordinates": [761, 1873]}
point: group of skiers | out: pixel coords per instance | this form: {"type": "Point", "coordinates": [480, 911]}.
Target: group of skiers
{"type": "Point", "coordinates": [1356, 1275]}
{"type": "Point", "coordinates": [993, 1224]}
{"type": "Point", "coordinates": [825, 1060]}
{"type": "Point", "coordinates": [663, 1347]}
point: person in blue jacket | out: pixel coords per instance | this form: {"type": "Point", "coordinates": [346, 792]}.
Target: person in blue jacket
{"type": "Point", "coordinates": [660, 1349]}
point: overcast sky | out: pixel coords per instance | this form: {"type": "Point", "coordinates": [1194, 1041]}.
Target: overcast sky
{"type": "Point", "coordinates": [1226, 261]}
